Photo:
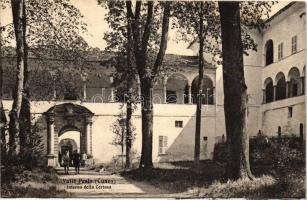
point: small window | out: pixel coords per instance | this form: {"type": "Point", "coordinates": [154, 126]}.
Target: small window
{"type": "Point", "coordinates": [178, 124]}
{"type": "Point", "coordinates": [162, 144]}
{"type": "Point", "coordinates": [280, 51]}
{"type": "Point", "coordinates": [290, 112]}
{"type": "Point", "coordinates": [294, 44]}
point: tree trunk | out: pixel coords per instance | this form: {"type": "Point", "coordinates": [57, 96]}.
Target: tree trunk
{"type": "Point", "coordinates": [147, 74]}
{"type": "Point", "coordinates": [128, 132]}
{"type": "Point", "coordinates": [3, 120]}
{"type": "Point", "coordinates": [14, 131]}
{"type": "Point", "coordinates": [25, 115]}
{"type": "Point", "coordinates": [147, 125]}
{"type": "Point", "coordinates": [129, 47]}
{"type": "Point", "coordinates": [235, 95]}
{"type": "Point", "coordinates": [200, 91]}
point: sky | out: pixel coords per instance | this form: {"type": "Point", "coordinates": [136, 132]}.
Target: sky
{"type": "Point", "coordinates": [94, 17]}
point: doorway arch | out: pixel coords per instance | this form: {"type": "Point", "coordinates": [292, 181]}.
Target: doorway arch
{"type": "Point", "coordinates": [65, 119]}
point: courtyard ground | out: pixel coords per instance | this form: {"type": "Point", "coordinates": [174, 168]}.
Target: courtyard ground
{"type": "Point", "coordinates": [93, 184]}
{"type": "Point", "coordinates": [178, 179]}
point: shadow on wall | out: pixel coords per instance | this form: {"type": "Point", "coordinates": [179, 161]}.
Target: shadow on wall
{"type": "Point", "coordinates": [182, 147]}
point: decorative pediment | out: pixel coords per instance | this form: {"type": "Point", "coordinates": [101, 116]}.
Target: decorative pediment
{"type": "Point", "coordinates": [69, 109]}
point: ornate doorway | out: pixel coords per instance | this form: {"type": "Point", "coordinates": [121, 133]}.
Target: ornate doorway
{"type": "Point", "coordinates": [64, 118]}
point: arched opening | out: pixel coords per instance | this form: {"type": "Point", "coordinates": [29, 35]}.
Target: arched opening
{"type": "Point", "coordinates": [269, 90]}
{"type": "Point", "coordinates": [176, 89]}
{"type": "Point", "coordinates": [69, 127]}
{"type": "Point", "coordinates": [280, 86]}
{"type": "Point", "coordinates": [207, 90]}
{"type": "Point", "coordinates": [98, 88]}
{"type": "Point", "coordinates": [294, 82]}
{"type": "Point", "coordinates": [68, 142]}
{"type": "Point", "coordinates": [269, 52]}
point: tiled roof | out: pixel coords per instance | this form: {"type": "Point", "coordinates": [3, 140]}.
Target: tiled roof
{"type": "Point", "coordinates": [104, 58]}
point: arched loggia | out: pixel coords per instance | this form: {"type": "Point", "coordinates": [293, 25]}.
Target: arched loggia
{"type": "Point", "coordinates": [176, 89]}
{"type": "Point", "coordinates": [269, 90]}
{"type": "Point", "coordinates": [294, 84]}
{"type": "Point", "coordinates": [207, 90]}
{"type": "Point", "coordinates": [281, 86]}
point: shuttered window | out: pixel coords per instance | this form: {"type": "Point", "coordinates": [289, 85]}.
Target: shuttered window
{"type": "Point", "coordinates": [294, 44]}
{"type": "Point", "coordinates": [162, 144]}
{"type": "Point", "coordinates": [280, 51]}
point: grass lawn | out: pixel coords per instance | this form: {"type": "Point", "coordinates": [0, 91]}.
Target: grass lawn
{"type": "Point", "coordinates": [181, 179]}
{"type": "Point", "coordinates": [38, 183]}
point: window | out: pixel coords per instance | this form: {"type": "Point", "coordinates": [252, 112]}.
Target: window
{"type": "Point", "coordinates": [294, 44]}
{"type": "Point", "coordinates": [162, 144]}
{"type": "Point", "coordinates": [179, 124]}
{"type": "Point", "coordinates": [269, 52]}
{"type": "Point", "coordinates": [290, 112]}
{"type": "Point", "coordinates": [280, 51]}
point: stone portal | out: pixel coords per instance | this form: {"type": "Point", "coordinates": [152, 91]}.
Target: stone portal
{"type": "Point", "coordinates": [63, 118]}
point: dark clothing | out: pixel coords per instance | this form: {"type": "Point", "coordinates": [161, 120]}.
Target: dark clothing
{"type": "Point", "coordinates": [76, 158]}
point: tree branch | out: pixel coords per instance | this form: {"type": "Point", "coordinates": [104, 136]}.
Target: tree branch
{"type": "Point", "coordinates": [133, 29]}
{"type": "Point", "coordinates": [147, 28]}
{"type": "Point", "coordinates": [164, 36]}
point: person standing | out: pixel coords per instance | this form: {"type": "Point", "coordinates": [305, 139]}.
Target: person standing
{"type": "Point", "coordinates": [66, 161]}
{"type": "Point", "coordinates": [76, 158]}
{"type": "Point", "coordinates": [84, 158]}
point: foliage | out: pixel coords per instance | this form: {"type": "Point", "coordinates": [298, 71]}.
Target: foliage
{"type": "Point", "coordinates": [53, 29]}
{"type": "Point", "coordinates": [280, 152]}
{"type": "Point", "coordinates": [34, 155]}
{"type": "Point", "coordinates": [117, 38]}
{"type": "Point", "coordinates": [186, 22]}
{"type": "Point", "coordinates": [119, 130]}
